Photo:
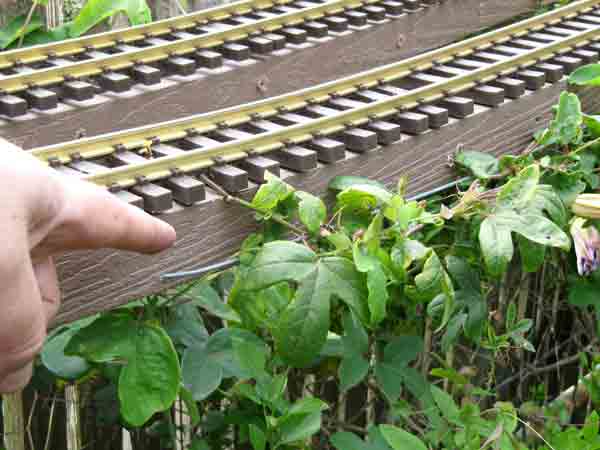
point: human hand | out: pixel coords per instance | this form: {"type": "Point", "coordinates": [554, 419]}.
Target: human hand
{"type": "Point", "coordinates": [43, 215]}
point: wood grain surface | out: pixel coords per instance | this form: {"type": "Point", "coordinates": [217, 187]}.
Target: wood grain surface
{"type": "Point", "coordinates": [272, 75]}
{"type": "Point", "coordinates": [213, 230]}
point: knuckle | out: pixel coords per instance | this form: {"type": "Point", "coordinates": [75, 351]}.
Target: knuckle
{"type": "Point", "coordinates": [17, 355]}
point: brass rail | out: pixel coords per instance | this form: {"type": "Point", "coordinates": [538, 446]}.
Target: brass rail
{"type": "Point", "coordinates": [159, 168]}
{"type": "Point", "coordinates": [127, 59]}
{"type": "Point", "coordinates": [99, 41]}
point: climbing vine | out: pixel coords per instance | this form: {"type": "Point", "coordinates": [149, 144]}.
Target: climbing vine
{"type": "Point", "coordinates": [379, 321]}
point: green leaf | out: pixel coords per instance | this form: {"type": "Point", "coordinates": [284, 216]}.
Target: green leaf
{"type": "Point", "coordinates": [532, 254]}
{"type": "Point", "coordinates": [345, 440]}
{"type": "Point", "coordinates": [583, 292]}
{"type": "Point", "coordinates": [567, 185]}
{"type": "Point", "coordinates": [519, 191]}
{"type": "Point", "coordinates": [430, 282]}
{"type": "Point", "coordinates": [150, 380]}
{"type": "Point", "coordinates": [44, 36]}
{"type": "Point", "coordinates": [303, 327]}
{"type": "Point", "coordinates": [108, 338]}
{"type": "Point", "coordinates": [393, 370]}
{"type": "Point", "coordinates": [199, 444]}
{"type": "Point", "coordinates": [477, 312]}
{"type": "Point", "coordinates": [455, 324]}
{"type": "Point", "coordinates": [403, 349]}
{"type": "Point", "coordinates": [341, 183]}
{"type": "Point", "coordinates": [446, 405]}
{"type": "Point", "coordinates": [496, 246]}
{"type": "Point", "coordinates": [206, 364]}
{"type": "Point", "coordinates": [340, 241]}
{"type": "Point", "coordinates": [11, 32]}
{"type": "Point", "coordinates": [96, 11]}
{"type": "Point", "coordinates": [434, 280]}
{"type": "Point", "coordinates": [588, 75]}
{"type": "Point", "coordinates": [534, 227]}
{"type": "Point", "coordinates": [591, 428]}
{"type": "Point", "coordinates": [226, 345]}
{"type": "Point", "coordinates": [187, 326]}
{"type": "Point", "coordinates": [355, 339]}
{"type": "Point", "coordinates": [592, 123]}
{"type": "Point", "coordinates": [257, 437]}
{"type": "Point", "coordinates": [302, 421]}
{"type": "Point", "coordinates": [207, 298]}
{"type": "Point", "coordinates": [376, 439]}
{"type": "Point", "coordinates": [400, 439]}
{"type": "Point", "coordinates": [54, 358]}
{"type": "Point", "coordinates": [312, 211]}
{"type": "Point", "coordinates": [307, 405]}
{"type": "Point", "coordinates": [271, 193]}
{"type": "Point", "coordinates": [462, 274]}
{"type": "Point", "coordinates": [449, 374]}
{"type": "Point", "coordinates": [404, 253]}
{"type": "Point", "coordinates": [481, 165]}
{"type": "Point", "coordinates": [252, 358]}
{"type": "Point", "coordinates": [545, 199]}
{"type": "Point", "coordinates": [271, 389]}
{"type": "Point", "coordinates": [403, 213]}
{"type": "Point", "coordinates": [280, 261]}
{"type": "Point", "coordinates": [353, 370]}
{"type": "Point", "coordinates": [565, 129]}
{"type": "Point", "coordinates": [363, 197]}
{"type": "Point", "coordinates": [376, 280]}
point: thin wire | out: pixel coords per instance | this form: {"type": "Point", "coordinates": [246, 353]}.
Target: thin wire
{"type": "Point", "coordinates": [231, 262]}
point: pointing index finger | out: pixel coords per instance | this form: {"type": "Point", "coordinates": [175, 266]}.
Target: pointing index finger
{"type": "Point", "coordinates": [93, 218]}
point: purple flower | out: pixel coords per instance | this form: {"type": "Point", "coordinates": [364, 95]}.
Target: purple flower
{"type": "Point", "coordinates": [587, 246]}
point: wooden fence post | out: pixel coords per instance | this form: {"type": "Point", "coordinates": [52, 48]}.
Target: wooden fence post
{"type": "Point", "coordinates": [14, 421]}
{"type": "Point", "coordinates": [54, 13]}
{"type": "Point", "coordinates": [73, 422]}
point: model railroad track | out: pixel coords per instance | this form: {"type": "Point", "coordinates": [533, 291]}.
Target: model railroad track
{"type": "Point", "coordinates": [73, 71]}
{"type": "Point", "coordinates": [158, 164]}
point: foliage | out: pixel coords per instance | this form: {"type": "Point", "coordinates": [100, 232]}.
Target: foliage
{"type": "Point", "coordinates": [413, 303]}
{"type": "Point", "coordinates": [32, 31]}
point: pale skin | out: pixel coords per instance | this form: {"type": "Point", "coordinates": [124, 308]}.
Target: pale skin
{"type": "Point", "coordinates": [43, 215]}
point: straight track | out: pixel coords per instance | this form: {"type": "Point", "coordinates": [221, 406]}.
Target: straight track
{"type": "Point", "coordinates": [156, 165]}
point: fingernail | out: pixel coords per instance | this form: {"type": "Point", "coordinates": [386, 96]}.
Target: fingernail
{"type": "Point", "coordinates": [167, 233]}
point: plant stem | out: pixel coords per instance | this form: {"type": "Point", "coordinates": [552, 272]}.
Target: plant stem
{"type": "Point", "coordinates": [426, 358]}
{"type": "Point", "coordinates": [227, 197]}
{"type": "Point", "coordinates": [180, 7]}
{"type": "Point", "coordinates": [585, 146]}
{"type": "Point", "coordinates": [50, 424]}
{"type": "Point", "coordinates": [27, 22]}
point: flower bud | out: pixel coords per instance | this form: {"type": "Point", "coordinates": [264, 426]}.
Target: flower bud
{"type": "Point", "coordinates": [587, 205]}
{"type": "Point", "coordinates": [587, 246]}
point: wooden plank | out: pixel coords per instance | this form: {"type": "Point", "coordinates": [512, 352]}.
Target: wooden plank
{"type": "Point", "coordinates": [96, 281]}
{"type": "Point", "coordinates": [273, 75]}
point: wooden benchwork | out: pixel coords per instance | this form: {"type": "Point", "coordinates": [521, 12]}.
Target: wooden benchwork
{"type": "Point", "coordinates": [377, 44]}
{"type": "Point", "coordinates": [213, 230]}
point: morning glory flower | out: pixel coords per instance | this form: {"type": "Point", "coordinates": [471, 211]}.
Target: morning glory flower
{"type": "Point", "coordinates": [587, 246]}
